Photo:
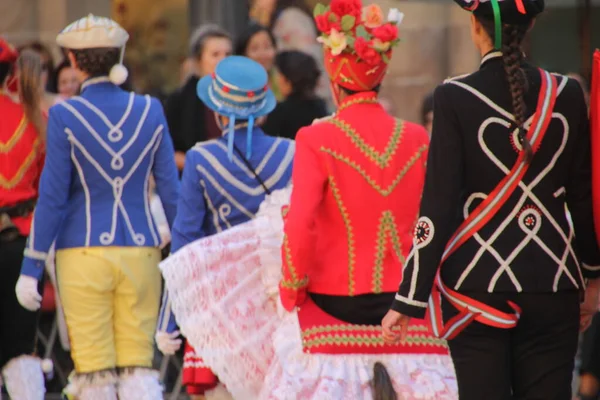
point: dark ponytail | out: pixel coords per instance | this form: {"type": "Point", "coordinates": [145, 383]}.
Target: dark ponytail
{"type": "Point", "coordinates": [512, 56]}
{"type": "Point", "coordinates": [382, 384]}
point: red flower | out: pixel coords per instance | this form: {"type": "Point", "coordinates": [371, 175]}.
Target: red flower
{"type": "Point", "coordinates": [225, 89]}
{"type": "Point", "coordinates": [324, 23]}
{"type": "Point", "coordinates": [250, 94]}
{"type": "Point", "coordinates": [386, 33]}
{"type": "Point", "coordinates": [366, 52]}
{"type": "Point", "coordinates": [347, 7]}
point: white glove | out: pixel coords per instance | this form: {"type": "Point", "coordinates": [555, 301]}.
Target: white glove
{"type": "Point", "coordinates": [168, 343]}
{"type": "Point", "coordinates": [27, 293]}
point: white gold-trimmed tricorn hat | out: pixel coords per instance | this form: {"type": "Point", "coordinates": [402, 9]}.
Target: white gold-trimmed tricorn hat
{"type": "Point", "coordinates": [94, 32]}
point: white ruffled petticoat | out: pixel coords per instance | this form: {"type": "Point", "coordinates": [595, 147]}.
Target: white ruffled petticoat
{"type": "Point", "coordinates": [224, 293]}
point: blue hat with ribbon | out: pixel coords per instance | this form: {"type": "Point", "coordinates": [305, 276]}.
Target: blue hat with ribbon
{"type": "Point", "coordinates": [238, 90]}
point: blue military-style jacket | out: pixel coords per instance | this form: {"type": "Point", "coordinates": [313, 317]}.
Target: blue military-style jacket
{"type": "Point", "coordinates": [217, 194]}
{"type": "Point", "coordinates": [102, 148]}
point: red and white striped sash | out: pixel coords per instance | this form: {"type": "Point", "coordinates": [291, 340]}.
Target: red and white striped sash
{"type": "Point", "coordinates": [471, 309]}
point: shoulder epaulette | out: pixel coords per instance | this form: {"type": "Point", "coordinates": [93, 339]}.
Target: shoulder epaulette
{"type": "Point", "coordinates": [455, 78]}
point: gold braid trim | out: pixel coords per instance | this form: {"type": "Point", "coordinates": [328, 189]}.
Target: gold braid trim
{"type": "Point", "coordinates": [369, 341]}
{"type": "Point", "coordinates": [357, 101]}
{"type": "Point", "coordinates": [350, 235]}
{"type": "Point", "coordinates": [7, 146]}
{"type": "Point", "coordinates": [387, 226]}
{"type": "Point", "coordinates": [382, 160]}
{"type": "Point", "coordinates": [6, 183]}
{"type": "Point", "coordinates": [384, 192]}
{"type": "Point", "coordinates": [365, 329]}
{"type": "Point", "coordinates": [294, 283]}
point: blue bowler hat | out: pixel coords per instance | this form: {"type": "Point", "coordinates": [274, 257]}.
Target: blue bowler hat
{"type": "Point", "coordinates": [238, 90]}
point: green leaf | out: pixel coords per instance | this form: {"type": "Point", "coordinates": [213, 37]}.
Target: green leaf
{"type": "Point", "coordinates": [385, 58]}
{"type": "Point", "coordinates": [362, 32]}
{"type": "Point", "coordinates": [333, 17]}
{"type": "Point", "coordinates": [319, 9]}
{"type": "Point", "coordinates": [348, 22]}
{"type": "Point", "coordinates": [350, 40]}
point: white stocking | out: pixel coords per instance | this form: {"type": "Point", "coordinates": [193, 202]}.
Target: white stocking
{"type": "Point", "coordinates": [93, 386]}
{"type": "Point", "coordinates": [140, 384]}
{"type": "Point", "coordinates": [24, 378]}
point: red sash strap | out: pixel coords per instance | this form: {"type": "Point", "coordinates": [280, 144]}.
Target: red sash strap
{"type": "Point", "coordinates": [595, 132]}
{"type": "Point", "coordinates": [469, 308]}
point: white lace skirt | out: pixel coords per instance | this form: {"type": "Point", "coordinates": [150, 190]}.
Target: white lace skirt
{"type": "Point", "coordinates": [224, 293]}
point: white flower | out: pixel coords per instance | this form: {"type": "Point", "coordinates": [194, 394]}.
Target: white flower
{"type": "Point", "coordinates": [395, 16]}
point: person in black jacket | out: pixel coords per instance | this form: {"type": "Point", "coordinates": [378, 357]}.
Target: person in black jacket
{"type": "Point", "coordinates": [510, 151]}
{"type": "Point", "coordinates": [190, 121]}
{"type": "Point", "coordinates": [298, 75]}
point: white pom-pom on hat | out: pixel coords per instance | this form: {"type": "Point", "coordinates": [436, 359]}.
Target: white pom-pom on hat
{"type": "Point", "coordinates": [118, 74]}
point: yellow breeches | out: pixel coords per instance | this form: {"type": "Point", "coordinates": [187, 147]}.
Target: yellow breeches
{"type": "Point", "coordinates": [110, 296]}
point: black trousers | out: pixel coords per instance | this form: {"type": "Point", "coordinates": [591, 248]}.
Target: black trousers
{"type": "Point", "coordinates": [17, 325]}
{"type": "Point", "coordinates": [534, 360]}
{"type": "Point", "coordinates": [590, 349]}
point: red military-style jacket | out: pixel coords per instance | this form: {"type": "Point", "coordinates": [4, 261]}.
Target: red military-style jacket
{"type": "Point", "coordinates": [357, 183]}
{"type": "Point", "coordinates": [21, 159]}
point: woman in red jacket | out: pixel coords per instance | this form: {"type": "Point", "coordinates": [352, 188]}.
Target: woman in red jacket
{"type": "Point", "coordinates": [22, 138]}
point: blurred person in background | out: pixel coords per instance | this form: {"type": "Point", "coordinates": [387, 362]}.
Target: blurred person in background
{"type": "Point", "coordinates": [583, 83]}
{"type": "Point", "coordinates": [186, 69]}
{"type": "Point", "coordinates": [67, 84]}
{"type": "Point", "coordinates": [22, 147]}
{"type": "Point", "coordinates": [190, 121]}
{"type": "Point", "coordinates": [297, 74]}
{"type": "Point", "coordinates": [47, 62]}
{"type": "Point", "coordinates": [495, 263]}
{"type": "Point", "coordinates": [102, 148]}
{"type": "Point", "coordinates": [48, 84]}
{"type": "Point", "coordinates": [257, 43]}
{"type": "Point", "coordinates": [292, 25]}
{"type": "Point", "coordinates": [427, 113]}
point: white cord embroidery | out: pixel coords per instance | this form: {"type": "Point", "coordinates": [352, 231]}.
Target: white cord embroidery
{"type": "Point", "coordinates": [487, 245]}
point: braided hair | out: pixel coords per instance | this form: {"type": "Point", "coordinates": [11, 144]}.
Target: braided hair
{"type": "Point", "coordinates": [512, 56]}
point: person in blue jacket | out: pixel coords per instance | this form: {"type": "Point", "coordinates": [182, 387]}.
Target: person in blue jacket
{"type": "Point", "coordinates": [226, 179]}
{"type": "Point", "coordinates": [102, 148]}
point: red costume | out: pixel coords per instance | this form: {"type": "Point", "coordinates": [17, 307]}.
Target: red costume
{"type": "Point", "coordinates": [595, 127]}
{"type": "Point", "coordinates": [350, 173]}
{"type": "Point", "coordinates": [21, 153]}
{"type": "Point", "coordinates": [21, 159]}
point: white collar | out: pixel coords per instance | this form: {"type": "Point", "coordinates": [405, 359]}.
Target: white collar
{"type": "Point", "coordinates": [94, 81]}
{"type": "Point", "coordinates": [489, 56]}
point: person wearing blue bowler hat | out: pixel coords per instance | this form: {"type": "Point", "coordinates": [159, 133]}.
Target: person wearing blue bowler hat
{"type": "Point", "coordinates": [226, 179]}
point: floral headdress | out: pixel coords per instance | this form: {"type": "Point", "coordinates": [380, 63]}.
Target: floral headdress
{"type": "Point", "coordinates": [347, 26]}
{"type": "Point", "coordinates": [358, 41]}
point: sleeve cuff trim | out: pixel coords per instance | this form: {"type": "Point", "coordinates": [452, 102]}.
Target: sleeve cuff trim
{"type": "Point", "coordinates": [410, 302]}
{"type": "Point", "coordinates": [35, 255]}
